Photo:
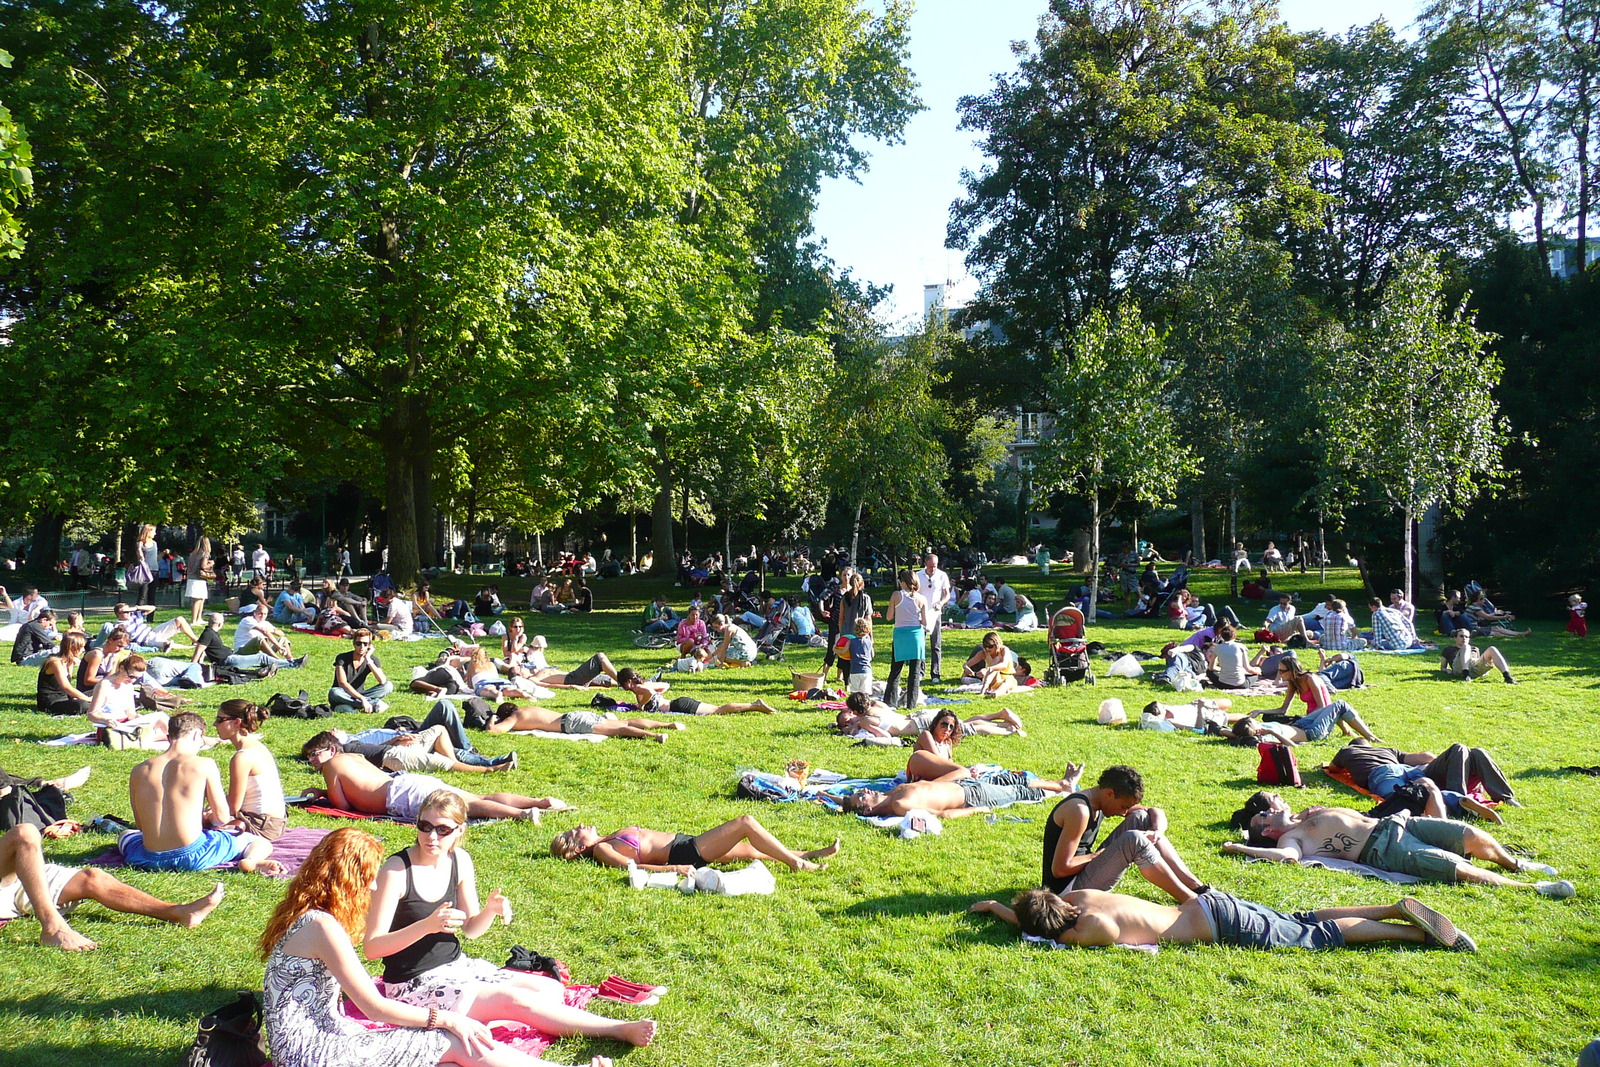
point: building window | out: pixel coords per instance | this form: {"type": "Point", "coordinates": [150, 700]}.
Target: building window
{"type": "Point", "coordinates": [274, 523]}
{"type": "Point", "coordinates": [1030, 423]}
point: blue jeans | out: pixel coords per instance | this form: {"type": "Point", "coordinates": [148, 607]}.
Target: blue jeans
{"type": "Point", "coordinates": [444, 714]}
{"type": "Point", "coordinates": [1320, 723]}
{"type": "Point", "coordinates": [340, 699]}
{"type": "Point", "coordinates": [255, 660]}
{"type": "Point", "coordinates": [1383, 781]}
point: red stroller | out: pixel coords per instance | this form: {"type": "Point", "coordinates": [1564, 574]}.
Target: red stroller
{"type": "Point", "coordinates": [1069, 653]}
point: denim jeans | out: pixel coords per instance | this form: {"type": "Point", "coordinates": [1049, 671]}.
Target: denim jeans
{"type": "Point", "coordinates": [444, 714]}
{"type": "Point", "coordinates": [340, 699]}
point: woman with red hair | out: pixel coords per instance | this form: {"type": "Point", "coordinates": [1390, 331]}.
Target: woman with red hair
{"type": "Point", "coordinates": [311, 957]}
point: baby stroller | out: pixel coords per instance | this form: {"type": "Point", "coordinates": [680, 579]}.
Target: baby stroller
{"type": "Point", "coordinates": [1069, 653]}
{"type": "Point", "coordinates": [775, 631]}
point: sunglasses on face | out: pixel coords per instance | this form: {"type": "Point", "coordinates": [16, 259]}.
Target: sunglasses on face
{"type": "Point", "coordinates": [363, 644]}
{"type": "Point", "coordinates": [442, 829]}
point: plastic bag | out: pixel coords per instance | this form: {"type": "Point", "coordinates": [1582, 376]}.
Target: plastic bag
{"type": "Point", "coordinates": [1126, 666]}
{"type": "Point", "coordinates": [1112, 712]}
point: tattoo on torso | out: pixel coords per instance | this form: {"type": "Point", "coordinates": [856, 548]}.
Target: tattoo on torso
{"type": "Point", "coordinates": [1337, 844]}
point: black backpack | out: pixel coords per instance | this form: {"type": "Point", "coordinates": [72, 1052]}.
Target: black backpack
{"type": "Point", "coordinates": [297, 707]}
{"type": "Point", "coordinates": [476, 713]}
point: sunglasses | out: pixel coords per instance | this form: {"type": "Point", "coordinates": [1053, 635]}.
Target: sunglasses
{"type": "Point", "coordinates": [442, 829]}
{"type": "Point", "coordinates": [363, 644]}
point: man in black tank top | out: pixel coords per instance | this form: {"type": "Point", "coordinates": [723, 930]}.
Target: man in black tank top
{"type": "Point", "coordinates": [1071, 860]}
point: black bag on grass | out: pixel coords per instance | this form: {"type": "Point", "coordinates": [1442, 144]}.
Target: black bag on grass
{"type": "Point", "coordinates": [230, 1036]}
{"type": "Point", "coordinates": [476, 713]}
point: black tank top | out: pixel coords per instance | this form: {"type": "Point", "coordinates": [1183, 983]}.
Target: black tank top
{"type": "Point", "coordinates": [430, 950]}
{"type": "Point", "coordinates": [1052, 835]}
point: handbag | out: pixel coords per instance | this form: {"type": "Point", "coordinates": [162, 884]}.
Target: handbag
{"type": "Point", "coordinates": [230, 1036]}
{"type": "Point", "coordinates": [1277, 765]}
{"type": "Point", "coordinates": [139, 574]}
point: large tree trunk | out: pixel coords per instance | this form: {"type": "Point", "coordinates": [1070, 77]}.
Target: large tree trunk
{"type": "Point", "coordinates": [1093, 613]}
{"type": "Point", "coordinates": [46, 550]}
{"type": "Point", "coordinates": [661, 512]}
{"type": "Point", "coordinates": [1408, 545]}
{"type": "Point", "coordinates": [1197, 529]}
{"type": "Point", "coordinates": [855, 533]}
{"type": "Point", "coordinates": [399, 470]}
{"type": "Point", "coordinates": [422, 483]}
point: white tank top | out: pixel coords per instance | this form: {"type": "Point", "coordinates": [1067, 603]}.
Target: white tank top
{"type": "Point", "coordinates": [906, 612]}
{"type": "Point", "coordinates": [263, 793]}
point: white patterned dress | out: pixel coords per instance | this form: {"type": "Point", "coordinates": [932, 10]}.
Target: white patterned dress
{"type": "Point", "coordinates": [305, 1027]}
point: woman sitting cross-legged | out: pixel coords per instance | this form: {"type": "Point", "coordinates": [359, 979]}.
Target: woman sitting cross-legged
{"type": "Point", "coordinates": [311, 959]}
{"type": "Point", "coordinates": [509, 717]}
{"type": "Point", "coordinates": [654, 850]}
{"type": "Point", "coordinates": [425, 899]}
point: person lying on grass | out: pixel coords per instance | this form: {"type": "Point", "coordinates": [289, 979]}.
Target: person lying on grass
{"type": "Point", "coordinates": [1092, 919]}
{"type": "Point", "coordinates": [1435, 850]}
{"type": "Point", "coordinates": [1381, 771]}
{"type": "Point", "coordinates": [955, 800]}
{"type": "Point", "coordinates": [654, 850]}
{"type": "Point", "coordinates": [425, 898]}
{"type": "Point", "coordinates": [311, 960]}
{"type": "Point", "coordinates": [179, 808]}
{"type": "Point", "coordinates": [509, 717]}
{"type": "Point", "coordinates": [356, 785]}
{"type": "Point", "coordinates": [651, 699]}
{"type": "Point", "coordinates": [1071, 860]}
{"type": "Point", "coordinates": [862, 712]}
{"type": "Point", "coordinates": [31, 886]}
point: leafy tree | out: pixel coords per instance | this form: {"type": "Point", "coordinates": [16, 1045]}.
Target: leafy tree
{"type": "Point", "coordinates": [1408, 405]}
{"type": "Point", "coordinates": [1412, 167]}
{"type": "Point", "coordinates": [16, 175]}
{"type": "Point", "coordinates": [1114, 432]}
{"type": "Point", "coordinates": [1132, 134]}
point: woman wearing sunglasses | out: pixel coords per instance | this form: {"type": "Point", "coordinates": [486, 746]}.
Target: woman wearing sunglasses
{"type": "Point", "coordinates": [425, 898]}
{"type": "Point", "coordinates": [932, 760]}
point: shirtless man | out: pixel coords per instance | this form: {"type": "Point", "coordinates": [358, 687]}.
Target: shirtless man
{"type": "Point", "coordinates": [31, 886]}
{"type": "Point", "coordinates": [1092, 918]}
{"type": "Point", "coordinates": [356, 785]}
{"type": "Point", "coordinates": [1435, 850]}
{"type": "Point", "coordinates": [597, 670]}
{"type": "Point", "coordinates": [954, 800]}
{"type": "Point", "coordinates": [509, 717]}
{"type": "Point", "coordinates": [178, 804]}
{"type": "Point", "coordinates": [862, 712]}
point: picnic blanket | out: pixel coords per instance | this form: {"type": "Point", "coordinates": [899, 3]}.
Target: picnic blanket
{"type": "Point", "coordinates": [290, 850]}
{"type": "Point", "coordinates": [349, 813]}
{"type": "Point", "coordinates": [563, 737]}
{"type": "Point", "coordinates": [1050, 943]}
{"type": "Point", "coordinates": [523, 1038]}
{"type": "Point", "coordinates": [74, 739]}
{"type": "Point", "coordinates": [1402, 651]}
{"type": "Point", "coordinates": [829, 788]}
{"type": "Point", "coordinates": [1255, 689]}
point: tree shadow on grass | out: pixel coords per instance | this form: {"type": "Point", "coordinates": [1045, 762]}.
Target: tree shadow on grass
{"type": "Point", "coordinates": [45, 1053]}
{"type": "Point", "coordinates": [1550, 772]}
{"type": "Point", "coordinates": [181, 1005]}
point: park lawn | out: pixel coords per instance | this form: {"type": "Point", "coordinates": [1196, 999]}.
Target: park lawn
{"type": "Point", "coordinates": [873, 962]}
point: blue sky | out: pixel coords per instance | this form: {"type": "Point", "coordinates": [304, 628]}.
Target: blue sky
{"type": "Point", "coordinates": [890, 228]}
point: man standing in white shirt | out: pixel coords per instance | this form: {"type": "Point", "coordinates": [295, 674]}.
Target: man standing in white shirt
{"type": "Point", "coordinates": [259, 560]}
{"type": "Point", "coordinates": [934, 585]}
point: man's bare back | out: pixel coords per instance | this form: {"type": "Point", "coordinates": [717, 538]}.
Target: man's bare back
{"type": "Point", "coordinates": [1337, 832]}
{"type": "Point", "coordinates": [169, 794]}
{"type": "Point", "coordinates": [1116, 919]}
{"type": "Point", "coordinates": [355, 784]}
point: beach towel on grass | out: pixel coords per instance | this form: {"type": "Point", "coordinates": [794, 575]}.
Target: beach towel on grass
{"type": "Point", "coordinates": [1351, 867]}
{"type": "Point", "coordinates": [1049, 943]}
{"type": "Point", "coordinates": [524, 1039]}
{"type": "Point", "coordinates": [290, 850]}
{"type": "Point", "coordinates": [563, 737]}
{"type": "Point", "coordinates": [1342, 776]}
{"type": "Point", "coordinates": [1401, 651]}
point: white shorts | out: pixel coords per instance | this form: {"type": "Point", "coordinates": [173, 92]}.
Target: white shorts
{"type": "Point", "coordinates": [166, 629]}
{"type": "Point", "coordinates": [14, 902]}
{"type": "Point", "coordinates": [448, 985]}
{"type": "Point", "coordinates": [860, 683]}
{"type": "Point", "coordinates": [408, 792]}
{"type": "Point", "coordinates": [196, 589]}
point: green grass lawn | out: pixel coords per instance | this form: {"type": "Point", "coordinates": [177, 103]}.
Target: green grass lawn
{"type": "Point", "coordinates": [873, 961]}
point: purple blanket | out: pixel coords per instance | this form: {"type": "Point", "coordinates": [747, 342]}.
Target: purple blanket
{"type": "Point", "coordinates": [290, 850]}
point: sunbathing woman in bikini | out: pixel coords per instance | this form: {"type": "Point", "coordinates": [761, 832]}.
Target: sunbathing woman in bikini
{"type": "Point", "coordinates": [653, 850]}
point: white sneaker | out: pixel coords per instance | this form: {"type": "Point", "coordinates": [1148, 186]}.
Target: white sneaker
{"type": "Point", "coordinates": [1537, 868]}
{"type": "Point", "coordinates": [1557, 890]}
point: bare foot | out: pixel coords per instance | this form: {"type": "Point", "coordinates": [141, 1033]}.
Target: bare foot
{"type": "Point", "coordinates": [553, 804]}
{"type": "Point", "coordinates": [270, 868]}
{"type": "Point", "coordinates": [676, 726]}
{"type": "Point", "coordinates": [601, 1061]}
{"type": "Point", "coordinates": [640, 1033]}
{"type": "Point", "coordinates": [822, 853]}
{"type": "Point", "coordinates": [764, 707]}
{"type": "Point", "coordinates": [1074, 772]}
{"type": "Point", "coordinates": [530, 814]}
{"type": "Point", "coordinates": [807, 865]}
{"type": "Point", "coordinates": [66, 939]}
{"type": "Point", "coordinates": [659, 738]}
{"type": "Point", "coordinates": [194, 913]}
{"type": "Point", "coordinates": [71, 781]}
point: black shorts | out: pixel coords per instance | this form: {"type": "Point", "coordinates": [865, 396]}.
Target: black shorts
{"type": "Point", "coordinates": [585, 674]}
{"type": "Point", "coordinates": [682, 852]}
{"type": "Point", "coordinates": [684, 706]}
